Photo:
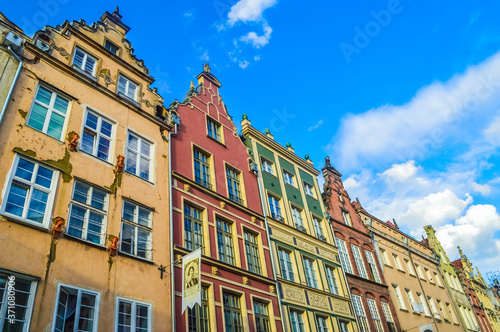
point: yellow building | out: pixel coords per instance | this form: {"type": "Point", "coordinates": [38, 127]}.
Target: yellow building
{"type": "Point", "coordinates": [84, 208]}
{"type": "Point", "coordinates": [412, 273]}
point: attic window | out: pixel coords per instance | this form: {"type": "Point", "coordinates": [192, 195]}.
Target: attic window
{"type": "Point", "coordinates": [111, 47]}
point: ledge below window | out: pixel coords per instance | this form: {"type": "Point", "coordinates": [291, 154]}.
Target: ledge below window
{"type": "Point", "coordinates": [129, 100]}
{"type": "Point", "coordinates": [144, 260]}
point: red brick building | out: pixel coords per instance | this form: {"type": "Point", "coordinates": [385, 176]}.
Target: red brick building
{"type": "Point", "coordinates": [217, 207]}
{"type": "Point", "coordinates": [369, 292]}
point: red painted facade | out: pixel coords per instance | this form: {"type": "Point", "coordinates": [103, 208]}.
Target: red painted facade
{"type": "Point", "coordinates": [349, 227]}
{"type": "Point", "coordinates": [207, 128]}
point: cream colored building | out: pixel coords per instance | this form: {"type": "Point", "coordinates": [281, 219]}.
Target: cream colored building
{"type": "Point", "coordinates": [412, 273]}
{"type": "Point", "coordinates": [83, 169]}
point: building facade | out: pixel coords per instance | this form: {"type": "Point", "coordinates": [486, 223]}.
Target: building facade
{"type": "Point", "coordinates": [80, 145]}
{"type": "Point", "coordinates": [459, 297]}
{"type": "Point", "coordinates": [313, 291]}
{"type": "Point", "coordinates": [216, 207]}
{"type": "Point", "coordinates": [369, 291]}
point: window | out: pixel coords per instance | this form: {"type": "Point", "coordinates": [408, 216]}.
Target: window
{"type": "Point", "coordinates": [261, 317]}
{"type": "Point", "coordinates": [359, 261]}
{"type": "Point", "coordinates": [84, 62]}
{"type": "Point", "coordinates": [344, 326]}
{"type": "Point", "coordinates": [347, 218]}
{"type": "Point", "coordinates": [111, 47]}
{"type": "Point", "coordinates": [413, 304]}
{"type": "Point", "coordinates": [386, 309]}
{"type": "Point", "coordinates": [133, 316]}
{"type": "Point", "coordinates": [274, 206]}
{"type": "Point", "coordinates": [127, 88]}
{"type": "Point", "coordinates": [286, 265]}
{"type": "Point", "coordinates": [344, 255]}
{"type": "Point", "coordinates": [30, 192]}
{"type": "Point", "coordinates": [397, 262]}
{"type": "Point", "coordinates": [252, 249]}
{"type": "Point", "coordinates": [267, 166]}
{"type": "Point", "coordinates": [138, 159]}
{"type": "Point", "coordinates": [399, 297]}
{"type": "Point", "coordinates": [232, 313]}
{"type": "Point", "coordinates": [213, 130]}
{"type": "Point", "coordinates": [97, 136]}
{"type": "Point", "coordinates": [424, 304]}
{"type": "Point", "coordinates": [409, 267]}
{"type": "Point", "coordinates": [383, 254]}
{"type": "Point", "coordinates": [297, 321]}
{"type": "Point", "coordinates": [76, 309]}
{"type": "Point", "coordinates": [373, 266]}
{"type": "Point", "coordinates": [202, 169]}
{"type": "Point", "coordinates": [429, 275]}
{"type": "Point", "coordinates": [198, 316]}
{"type": "Point", "coordinates": [309, 189]}
{"type": "Point", "coordinates": [225, 242]}
{"type": "Point", "coordinates": [452, 313]}
{"type": "Point", "coordinates": [24, 294]}
{"type": "Point", "coordinates": [48, 113]}
{"type": "Point", "coordinates": [441, 308]}
{"type": "Point", "coordinates": [372, 305]}
{"type": "Point", "coordinates": [331, 278]}
{"type": "Point", "coordinates": [233, 185]}
{"type": "Point", "coordinates": [289, 178]}
{"type": "Point", "coordinates": [318, 226]}
{"type": "Point", "coordinates": [360, 312]}
{"type": "Point", "coordinates": [297, 219]}
{"type": "Point", "coordinates": [438, 279]}
{"type": "Point", "coordinates": [136, 230]}
{"type": "Point", "coordinates": [419, 271]}
{"type": "Point", "coordinates": [435, 312]}
{"type": "Point", "coordinates": [310, 272]}
{"type": "Point", "coordinates": [193, 228]}
{"type": "Point", "coordinates": [322, 324]}
{"type": "Point", "coordinates": [88, 213]}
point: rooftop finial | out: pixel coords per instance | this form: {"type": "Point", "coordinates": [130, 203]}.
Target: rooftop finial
{"type": "Point", "coordinates": [327, 162]}
{"type": "Point", "coordinates": [206, 68]}
{"type": "Point", "coordinates": [192, 85]}
{"type": "Point", "coordinates": [117, 10]}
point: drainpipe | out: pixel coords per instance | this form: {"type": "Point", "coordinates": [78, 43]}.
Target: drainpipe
{"type": "Point", "coordinates": [172, 262]}
{"type": "Point", "coordinates": [260, 183]}
{"type": "Point", "coordinates": [4, 108]}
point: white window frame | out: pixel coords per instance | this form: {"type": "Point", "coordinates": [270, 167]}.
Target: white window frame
{"type": "Point", "coordinates": [359, 309]}
{"type": "Point", "coordinates": [214, 127]}
{"type": "Point", "coordinates": [50, 109]}
{"type": "Point", "coordinates": [331, 279]}
{"type": "Point", "coordinates": [409, 267]}
{"type": "Point", "coordinates": [150, 158]}
{"type": "Point", "coordinates": [322, 323]}
{"type": "Point", "coordinates": [318, 225]}
{"type": "Point", "coordinates": [77, 309]}
{"type": "Point", "coordinates": [289, 178]}
{"type": "Point", "coordinates": [344, 255]}
{"type": "Point", "coordinates": [128, 82]}
{"type": "Point", "coordinates": [286, 264]}
{"type": "Point", "coordinates": [373, 265]}
{"type": "Point", "coordinates": [438, 279]}
{"type": "Point", "coordinates": [435, 311]}
{"type": "Point", "coordinates": [51, 192]}
{"type": "Point", "coordinates": [134, 312]}
{"type": "Point", "coordinates": [421, 297]}
{"type": "Point", "coordinates": [310, 272]}
{"type": "Point", "coordinates": [358, 259]}
{"type": "Point", "coordinates": [377, 321]}
{"type": "Point", "coordinates": [347, 218]}
{"type": "Point", "coordinates": [86, 56]}
{"type": "Point", "coordinates": [267, 165]}
{"type": "Point", "coordinates": [97, 134]}
{"type": "Point", "coordinates": [429, 275]}
{"type": "Point", "coordinates": [397, 262]}
{"type": "Point", "coordinates": [309, 190]}
{"type": "Point", "coordinates": [276, 203]}
{"type": "Point", "coordinates": [135, 223]}
{"type": "Point", "coordinates": [297, 219]}
{"type": "Point", "coordinates": [298, 316]}
{"type": "Point", "coordinates": [399, 297]}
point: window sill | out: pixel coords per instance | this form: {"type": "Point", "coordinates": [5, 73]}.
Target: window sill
{"type": "Point", "coordinates": [94, 157]}
{"type": "Point", "coordinates": [41, 132]}
{"type": "Point", "coordinates": [25, 222]}
{"type": "Point", "coordinates": [137, 176]}
{"type": "Point", "coordinates": [144, 260]}
{"type": "Point", "coordinates": [129, 100]}
{"type": "Point", "coordinates": [417, 313]}
{"type": "Point", "coordinates": [292, 186]}
{"type": "Point", "coordinates": [92, 77]}
{"type": "Point", "coordinates": [313, 197]}
{"type": "Point", "coordinates": [77, 239]}
{"type": "Point", "coordinates": [402, 271]}
{"type": "Point", "coordinates": [270, 173]}
{"type": "Point", "coordinates": [423, 279]}
{"type": "Point", "coordinates": [403, 309]}
{"type": "Point", "coordinates": [387, 265]}
{"type": "Point", "coordinates": [216, 140]}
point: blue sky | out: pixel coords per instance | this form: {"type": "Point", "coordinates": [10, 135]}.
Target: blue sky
{"type": "Point", "coordinates": [404, 96]}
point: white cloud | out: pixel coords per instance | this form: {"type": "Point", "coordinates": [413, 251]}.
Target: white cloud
{"type": "Point", "coordinates": [434, 209]}
{"type": "Point", "coordinates": [248, 10]}
{"type": "Point", "coordinates": [483, 189]}
{"type": "Point", "coordinates": [188, 14]}
{"type": "Point", "coordinates": [492, 133]}
{"type": "Point", "coordinates": [243, 64]}
{"type": "Point", "coordinates": [401, 172]}
{"type": "Point", "coordinates": [316, 125]}
{"type": "Point", "coordinates": [205, 56]}
{"type": "Point", "coordinates": [256, 40]}
{"type": "Point", "coordinates": [256, 58]}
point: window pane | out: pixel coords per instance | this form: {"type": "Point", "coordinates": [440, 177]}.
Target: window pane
{"type": "Point", "coordinates": [81, 192]}
{"type": "Point", "coordinates": [43, 95]}
{"type": "Point", "coordinates": [128, 211]}
{"type": "Point", "coordinates": [61, 104]}
{"type": "Point", "coordinates": [106, 128]}
{"type": "Point", "coordinates": [16, 199]}
{"type": "Point", "coordinates": [44, 177]}
{"type": "Point", "coordinates": [38, 203]}
{"type": "Point", "coordinates": [76, 221]}
{"type": "Point", "coordinates": [25, 169]}
{"type": "Point", "coordinates": [128, 238]}
{"type": "Point", "coordinates": [37, 117]}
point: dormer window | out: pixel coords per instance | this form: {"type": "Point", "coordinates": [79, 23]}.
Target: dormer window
{"type": "Point", "coordinates": [127, 88]}
{"type": "Point", "coordinates": [111, 47]}
{"type": "Point", "coordinates": [84, 62]}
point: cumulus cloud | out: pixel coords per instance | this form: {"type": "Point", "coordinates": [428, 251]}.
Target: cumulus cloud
{"type": "Point", "coordinates": [248, 10]}
{"type": "Point", "coordinates": [401, 172]}
{"type": "Point", "coordinates": [256, 40]}
{"type": "Point", "coordinates": [483, 189]}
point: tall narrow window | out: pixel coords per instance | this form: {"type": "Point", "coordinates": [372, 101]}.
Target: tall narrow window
{"type": "Point", "coordinates": [419, 272]}
{"type": "Point", "coordinates": [297, 321]}
{"type": "Point", "coordinates": [297, 219]}
{"type": "Point", "coordinates": [261, 317]}
{"type": "Point", "coordinates": [88, 213]}
{"type": "Point", "coordinates": [429, 275]}
{"type": "Point", "coordinates": [347, 218]}
{"type": "Point", "coordinates": [202, 169]}
{"type": "Point", "coordinates": [96, 137]}
{"type": "Point", "coordinates": [289, 178]}
{"type": "Point", "coordinates": [252, 249]}
{"type": "Point", "coordinates": [138, 160]}
{"type": "Point", "coordinates": [373, 266]}
{"type": "Point", "coordinates": [309, 189]}
{"type": "Point", "coordinates": [213, 130]}
{"type": "Point", "coordinates": [233, 185]}
{"type": "Point", "coordinates": [388, 317]}
{"type": "Point", "coordinates": [232, 312]}
{"type": "Point", "coordinates": [451, 311]}
{"type": "Point", "coordinates": [310, 273]}
{"type": "Point", "coordinates": [438, 279]}
{"type": "Point", "coordinates": [331, 277]}
{"type": "Point", "coordinates": [76, 309]}
{"type": "Point", "coordinates": [127, 87]}
{"type": "Point", "coordinates": [397, 262]}
{"type": "Point", "coordinates": [133, 316]}
{"type": "Point", "coordinates": [399, 297]}
{"type": "Point", "coordinates": [193, 228]}
{"type": "Point", "coordinates": [360, 312]}
{"type": "Point", "coordinates": [84, 62]}
{"type": "Point", "coordinates": [372, 305]}
{"type": "Point", "coordinates": [30, 192]}
{"type": "Point", "coordinates": [409, 267]}
{"type": "Point", "coordinates": [344, 255]}
{"type": "Point", "coordinates": [286, 265]}
{"type": "Point", "coordinates": [136, 230]}
{"type": "Point", "coordinates": [359, 261]}
{"type": "Point", "coordinates": [267, 166]}
{"type": "Point", "coordinates": [322, 324]}
{"type": "Point", "coordinates": [435, 312]}
{"type": "Point", "coordinates": [48, 113]}
{"type": "Point", "coordinates": [383, 254]}
{"type": "Point", "coordinates": [318, 226]}
{"type": "Point", "coordinates": [414, 305]}
{"type": "Point", "coordinates": [198, 316]}
{"type": "Point", "coordinates": [344, 326]}
{"type": "Point", "coordinates": [274, 206]}
{"type": "Point", "coordinates": [225, 242]}
{"type": "Point", "coordinates": [441, 309]}
{"type": "Point", "coordinates": [424, 304]}
{"type": "Point", "coordinates": [24, 295]}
